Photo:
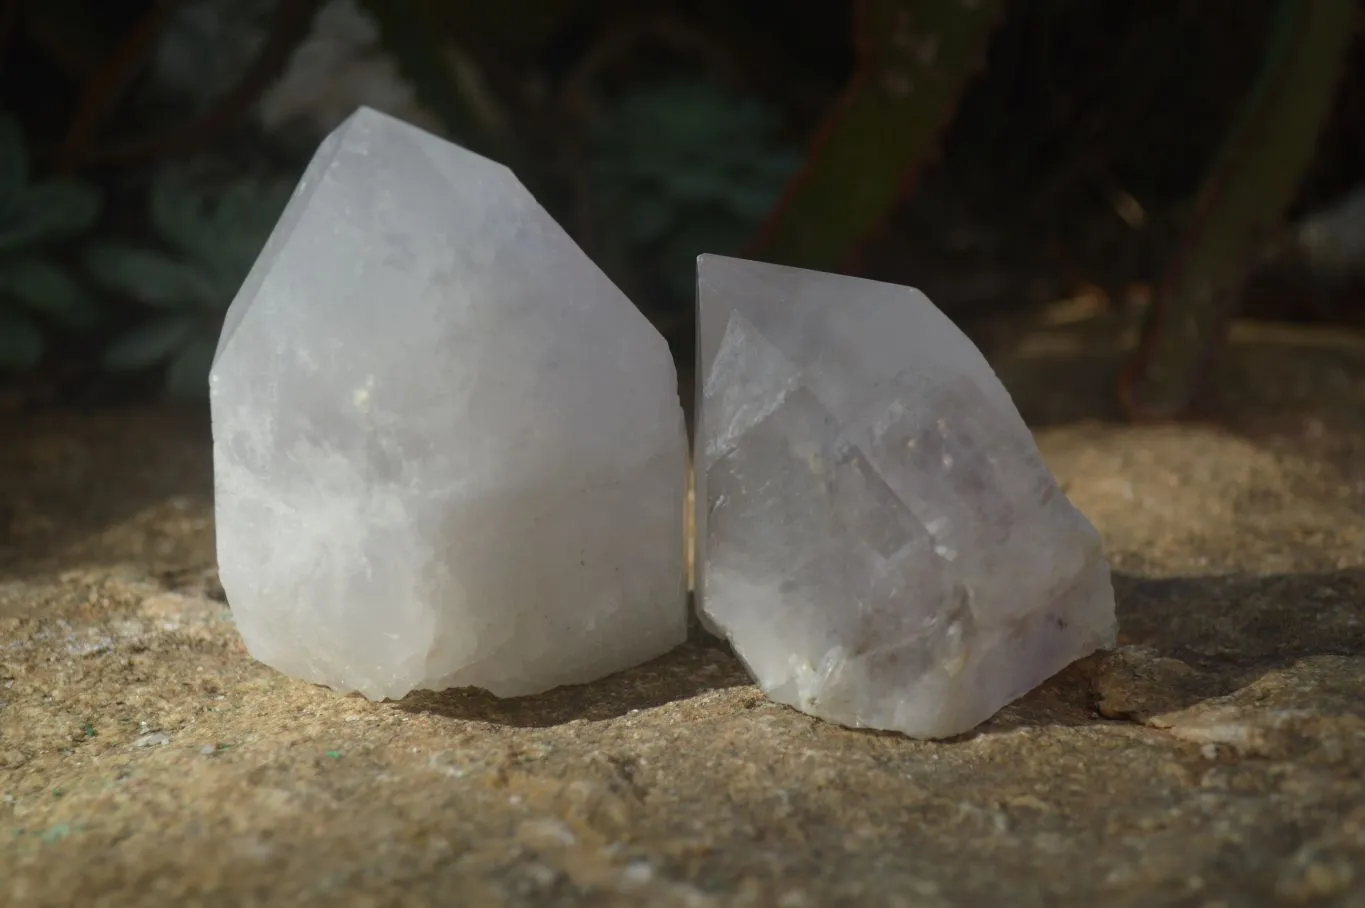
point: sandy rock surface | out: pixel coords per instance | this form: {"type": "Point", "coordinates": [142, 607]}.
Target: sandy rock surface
{"type": "Point", "coordinates": [1216, 758]}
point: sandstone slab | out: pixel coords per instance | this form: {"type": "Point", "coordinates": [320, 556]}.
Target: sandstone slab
{"type": "Point", "coordinates": [1214, 759]}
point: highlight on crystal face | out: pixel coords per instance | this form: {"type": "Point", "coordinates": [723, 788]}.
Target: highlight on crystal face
{"type": "Point", "coordinates": [877, 534]}
{"type": "Point", "coordinates": [448, 451]}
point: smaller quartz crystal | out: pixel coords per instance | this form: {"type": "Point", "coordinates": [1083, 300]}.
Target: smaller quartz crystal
{"type": "Point", "coordinates": [877, 534]}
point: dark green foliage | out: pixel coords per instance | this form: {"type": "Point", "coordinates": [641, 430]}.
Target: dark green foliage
{"type": "Point", "coordinates": [210, 238]}
{"type": "Point", "coordinates": [683, 168]}
{"type": "Point", "coordinates": [36, 291]}
{"type": "Point", "coordinates": [1084, 113]}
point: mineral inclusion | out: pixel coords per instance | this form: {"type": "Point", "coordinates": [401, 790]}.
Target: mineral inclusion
{"type": "Point", "coordinates": [447, 450]}
{"type": "Point", "coordinates": [877, 534]}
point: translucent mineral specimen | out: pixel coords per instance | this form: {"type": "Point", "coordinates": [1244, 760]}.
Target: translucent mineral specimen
{"type": "Point", "coordinates": [877, 533]}
{"type": "Point", "coordinates": [448, 451]}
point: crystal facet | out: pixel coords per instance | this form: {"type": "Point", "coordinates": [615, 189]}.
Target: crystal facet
{"type": "Point", "coordinates": [878, 535]}
{"type": "Point", "coordinates": [448, 451]}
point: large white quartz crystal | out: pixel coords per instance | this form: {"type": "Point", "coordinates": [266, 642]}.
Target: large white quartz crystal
{"type": "Point", "coordinates": [447, 450]}
{"type": "Point", "coordinates": [878, 536]}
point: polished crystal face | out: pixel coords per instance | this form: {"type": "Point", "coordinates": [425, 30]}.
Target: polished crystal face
{"type": "Point", "coordinates": [448, 451]}
{"type": "Point", "coordinates": [878, 535]}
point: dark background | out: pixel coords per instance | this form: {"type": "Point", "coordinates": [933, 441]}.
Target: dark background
{"type": "Point", "coordinates": [151, 146]}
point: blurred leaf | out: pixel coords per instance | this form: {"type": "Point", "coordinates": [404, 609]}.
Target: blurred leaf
{"type": "Point", "coordinates": [150, 277]}
{"type": "Point", "coordinates": [681, 168]}
{"type": "Point", "coordinates": [245, 216]}
{"type": "Point", "coordinates": [177, 212]}
{"type": "Point", "coordinates": [21, 341]}
{"type": "Point", "coordinates": [153, 343]}
{"type": "Point", "coordinates": [251, 207]}
{"type": "Point", "coordinates": [13, 159]}
{"type": "Point", "coordinates": [43, 286]}
{"type": "Point", "coordinates": [49, 211]}
{"type": "Point", "coordinates": [188, 374]}
{"type": "Point", "coordinates": [221, 232]}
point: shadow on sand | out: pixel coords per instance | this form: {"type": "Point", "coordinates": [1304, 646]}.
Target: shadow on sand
{"type": "Point", "coordinates": [1228, 630]}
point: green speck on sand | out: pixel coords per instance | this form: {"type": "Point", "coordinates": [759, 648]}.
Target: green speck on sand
{"type": "Point", "coordinates": [334, 754]}
{"type": "Point", "coordinates": [57, 833]}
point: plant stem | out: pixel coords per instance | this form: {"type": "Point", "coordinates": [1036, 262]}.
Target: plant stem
{"type": "Point", "coordinates": [1243, 198]}
{"type": "Point", "coordinates": [915, 58]}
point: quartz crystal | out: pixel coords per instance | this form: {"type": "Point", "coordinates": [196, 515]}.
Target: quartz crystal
{"type": "Point", "coordinates": [447, 450]}
{"type": "Point", "coordinates": [878, 535]}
